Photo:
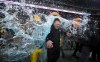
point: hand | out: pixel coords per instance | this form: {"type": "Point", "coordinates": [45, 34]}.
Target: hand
{"type": "Point", "coordinates": [49, 44]}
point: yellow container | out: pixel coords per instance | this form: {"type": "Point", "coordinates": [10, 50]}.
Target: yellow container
{"type": "Point", "coordinates": [35, 55]}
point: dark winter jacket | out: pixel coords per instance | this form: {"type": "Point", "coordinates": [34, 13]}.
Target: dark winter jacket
{"type": "Point", "coordinates": [54, 36]}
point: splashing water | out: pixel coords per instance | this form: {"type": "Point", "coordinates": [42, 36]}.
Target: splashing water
{"type": "Point", "coordinates": [29, 33]}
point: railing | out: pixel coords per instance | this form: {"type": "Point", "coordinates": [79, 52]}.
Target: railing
{"type": "Point", "coordinates": [49, 8]}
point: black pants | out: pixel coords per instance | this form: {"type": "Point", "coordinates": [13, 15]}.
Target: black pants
{"type": "Point", "coordinates": [53, 54]}
{"type": "Point", "coordinates": [98, 52]}
{"type": "Point", "coordinates": [78, 47]}
{"type": "Point", "coordinates": [98, 56]}
{"type": "Point", "coordinates": [84, 57]}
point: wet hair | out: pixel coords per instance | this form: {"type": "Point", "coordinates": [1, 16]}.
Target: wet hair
{"type": "Point", "coordinates": [68, 31]}
{"type": "Point", "coordinates": [56, 19]}
{"type": "Point", "coordinates": [52, 26]}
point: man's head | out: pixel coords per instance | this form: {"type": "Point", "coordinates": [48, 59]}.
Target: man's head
{"type": "Point", "coordinates": [76, 22]}
{"type": "Point", "coordinates": [68, 33]}
{"type": "Point", "coordinates": [57, 23]}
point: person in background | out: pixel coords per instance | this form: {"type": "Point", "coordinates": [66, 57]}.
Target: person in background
{"type": "Point", "coordinates": [77, 43]}
{"type": "Point", "coordinates": [76, 34]}
{"type": "Point", "coordinates": [90, 43]}
{"type": "Point", "coordinates": [86, 42]}
{"type": "Point", "coordinates": [67, 42]}
{"type": "Point", "coordinates": [96, 45]}
{"type": "Point", "coordinates": [98, 49]}
{"type": "Point", "coordinates": [53, 42]}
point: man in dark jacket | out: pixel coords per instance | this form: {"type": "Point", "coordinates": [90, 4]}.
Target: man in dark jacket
{"type": "Point", "coordinates": [53, 42]}
{"type": "Point", "coordinates": [86, 41]}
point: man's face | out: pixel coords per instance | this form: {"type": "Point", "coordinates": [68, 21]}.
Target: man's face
{"type": "Point", "coordinates": [57, 24]}
{"type": "Point", "coordinates": [68, 34]}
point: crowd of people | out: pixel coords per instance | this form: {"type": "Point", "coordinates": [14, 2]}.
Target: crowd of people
{"type": "Point", "coordinates": [87, 44]}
